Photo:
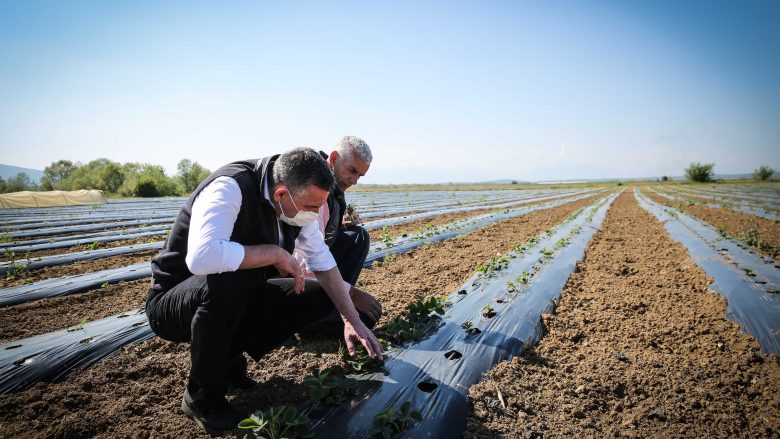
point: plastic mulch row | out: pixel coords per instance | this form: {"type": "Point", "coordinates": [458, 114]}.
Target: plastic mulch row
{"type": "Point", "coordinates": [436, 373]}
{"type": "Point", "coordinates": [749, 282]}
{"type": "Point", "coordinates": [739, 207]}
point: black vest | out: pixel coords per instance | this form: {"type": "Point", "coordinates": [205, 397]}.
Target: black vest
{"type": "Point", "coordinates": [337, 206]}
{"type": "Point", "coordinates": [256, 224]}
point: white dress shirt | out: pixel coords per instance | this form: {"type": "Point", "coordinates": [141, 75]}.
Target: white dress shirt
{"type": "Point", "coordinates": [214, 213]}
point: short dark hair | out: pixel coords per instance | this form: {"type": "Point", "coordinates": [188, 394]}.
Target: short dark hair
{"type": "Point", "coordinates": [300, 167]}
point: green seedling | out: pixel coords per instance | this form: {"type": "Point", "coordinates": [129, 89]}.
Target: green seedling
{"type": "Point", "coordinates": [467, 325]}
{"type": "Point", "coordinates": [749, 272]}
{"type": "Point", "coordinates": [324, 386]}
{"type": "Point", "coordinates": [488, 312]}
{"type": "Point", "coordinates": [276, 423]}
{"type": "Point", "coordinates": [16, 269]}
{"type": "Point", "coordinates": [400, 330]}
{"type": "Point", "coordinates": [494, 265]}
{"type": "Point", "coordinates": [5, 238]}
{"type": "Point", "coordinates": [94, 245]}
{"type": "Point", "coordinates": [420, 314]}
{"type": "Point", "coordinates": [426, 231]}
{"type": "Point", "coordinates": [549, 232]}
{"type": "Point", "coordinates": [547, 253]}
{"type": "Point", "coordinates": [751, 237]}
{"type": "Point", "coordinates": [80, 325]}
{"type": "Point", "coordinates": [360, 362]}
{"type": "Point", "coordinates": [522, 248]}
{"type": "Point", "coordinates": [722, 231]}
{"type": "Point", "coordinates": [386, 237]}
{"type": "Point", "coordinates": [524, 277]}
{"type": "Point", "coordinates": [424, 306]}
{"type": "Point", "coordinates": [389, 422]}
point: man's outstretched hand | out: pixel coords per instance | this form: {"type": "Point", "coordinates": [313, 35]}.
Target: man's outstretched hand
{"type": "Point", "coordinates": [360, 333]}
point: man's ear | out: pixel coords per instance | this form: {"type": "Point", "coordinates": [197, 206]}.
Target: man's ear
{"type": "Point", "coordinates": [332, 157]}
{"type": "Point", "coordinates": [278, 191]}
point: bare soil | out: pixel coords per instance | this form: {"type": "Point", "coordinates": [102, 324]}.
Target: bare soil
{"type": "Point", "coordinates": [137, 392]}
{"type": "Point", "coordinates": [638, 347]}
{"type": "Point", "coordinates": [760, 233]}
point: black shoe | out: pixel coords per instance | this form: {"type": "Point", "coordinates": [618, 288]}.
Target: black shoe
{"type": "Point", "coordinates": [215, 415]}
{"type": "Point", "coordinates": [237, 377]}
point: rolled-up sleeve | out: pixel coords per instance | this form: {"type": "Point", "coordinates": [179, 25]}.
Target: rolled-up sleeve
{"type": "Point", "coordinates": [214, 213]}
{"type": "Point", "coordinates": [310, 244]}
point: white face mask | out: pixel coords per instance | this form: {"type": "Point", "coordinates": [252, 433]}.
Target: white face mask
{"type": "Point", "coordinates": [301, 218]}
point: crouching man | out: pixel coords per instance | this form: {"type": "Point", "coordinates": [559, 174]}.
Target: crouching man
{"type": "Point", "coordinates": [348, 242]}
{"type": "Point", "coordinates": [227, 283]}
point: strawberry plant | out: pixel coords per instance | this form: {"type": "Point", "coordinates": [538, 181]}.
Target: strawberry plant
{"type": "Point", "coordinates": [390, 421]}
{"type": "Point", "coordinates": [400, 330]}
{"type": "Point", "coordinates": [386, 237]}
{"type": "Point", "coordinates": [467, 325]}
{"type": "Point", "coordinates": [423, 307]}
{"type": "Point", "coordinates": [495, 264]}
{"type": "Point", "coordinates": [360, 362]}
{"type": "Point", "coordinates": [488, 312]}
{"type": "Point", "coordinates": [325, 386]}
{"type": "Point", "coordinates": [276, 423]}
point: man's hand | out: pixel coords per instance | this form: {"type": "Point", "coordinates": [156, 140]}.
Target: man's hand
{"type": "Point", "coordinates": [359, 332]}
{"type": "Point", "coordinates": [366, 303]}
{"type": "Point", "coordinates": [345, 224]}
{"type": "Point", "coordinates": [286, 264]}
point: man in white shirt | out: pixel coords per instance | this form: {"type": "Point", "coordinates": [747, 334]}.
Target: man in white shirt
{"type": "Point", "coordinates": [219, 281]}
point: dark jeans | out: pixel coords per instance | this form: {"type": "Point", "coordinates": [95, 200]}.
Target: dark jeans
{"type": "Point", "coordinates": [224, 315]}
{"type": "Point", "coordinates": [350, 250]}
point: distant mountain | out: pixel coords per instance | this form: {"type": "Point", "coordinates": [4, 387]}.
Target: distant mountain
{"type": "Point", "coordinates": [7, 171]}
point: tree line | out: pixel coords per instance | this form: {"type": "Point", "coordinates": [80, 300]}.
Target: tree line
{"type": "Point", "coordinates": [125, 179]}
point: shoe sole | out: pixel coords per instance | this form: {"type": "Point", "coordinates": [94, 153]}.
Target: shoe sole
{"type": "Point", "coordinates": [210, 430]}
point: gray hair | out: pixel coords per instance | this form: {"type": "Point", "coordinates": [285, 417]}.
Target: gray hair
{"type": "Point", "coordinates": [300, 167]}
{"type": "Point", "coordinates": [352, 144]}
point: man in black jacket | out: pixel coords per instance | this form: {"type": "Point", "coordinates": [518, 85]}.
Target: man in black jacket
{"type": "Point", "coordinates": [221, 282]}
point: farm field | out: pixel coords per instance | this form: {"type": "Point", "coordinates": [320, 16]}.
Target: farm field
{"type": "Point", "coordinates": [575, 311]}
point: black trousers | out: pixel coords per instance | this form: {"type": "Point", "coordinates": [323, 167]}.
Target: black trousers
{"type": "Point", "coordinates": [350, 250]}
{"type": "Point", "coordinates": [224, 315]}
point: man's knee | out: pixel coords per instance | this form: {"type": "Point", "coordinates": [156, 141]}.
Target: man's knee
{"type": "Point", "coordinates": [230, 290]}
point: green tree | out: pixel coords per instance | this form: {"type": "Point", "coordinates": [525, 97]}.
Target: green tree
{"type": "Point", "coordinates": [102, 174]}
{"type": "Point", "coordinates": [700, 172]}
{"type": "Point", "coordinates": [56, 175]}
{"type": "Point", "coordinates": [191, 174]}
{"type": "Point", "coordinates": [148, 181]}
{"type": "Point", "coordinates": [3, 185]}
{"type": "Point", "coordinates": [763, 173]}
{"type": "Point", "coordinates": [20, 182]}
{"type": "Point", "coordinates": [110, 177]}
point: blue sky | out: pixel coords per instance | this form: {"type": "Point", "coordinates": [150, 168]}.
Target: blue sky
{"type": "Point", "coordinates": [442, 91]}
